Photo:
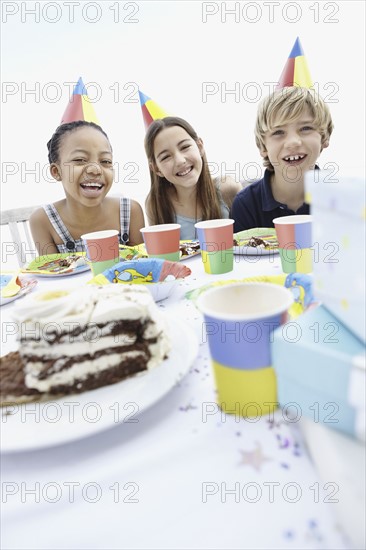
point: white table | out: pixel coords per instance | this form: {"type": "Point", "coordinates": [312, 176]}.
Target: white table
{"type": "Point", "coordinates": [178, 478]}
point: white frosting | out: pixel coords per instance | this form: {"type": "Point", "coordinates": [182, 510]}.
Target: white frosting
{"type": "Point", "coordinates": [78, 371]}
{"type": "Point", "coordinates": [158, 351]}
{"type": "Point", "coordinates": [64, 349]}
{"type": "Point", "coordinates": [42, 309]}
{"type": "Point", "coordinates": [116, 304]}
{"type": "Point", "coordinates": [40, 316]}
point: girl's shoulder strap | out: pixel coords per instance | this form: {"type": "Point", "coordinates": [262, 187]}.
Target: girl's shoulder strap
{"type": "Point", "coordinates": [225, 210]}
{"type": "Point", "coordinates": [125, 215]}
{"type": "Point", "coordinates": [57, 223]}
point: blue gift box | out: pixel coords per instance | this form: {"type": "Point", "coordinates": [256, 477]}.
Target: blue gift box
{"type": "Point", "coordinates": [320, 371]}
{"type": "Point", "coordinates": [339, 212]}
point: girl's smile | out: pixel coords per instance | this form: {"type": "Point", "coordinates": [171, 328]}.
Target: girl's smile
{"type": "Point", "coordinates": [92, 189]}
{"type": "Point", "coordinates": [185, 172]}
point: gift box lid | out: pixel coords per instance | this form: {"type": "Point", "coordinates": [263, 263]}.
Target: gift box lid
{"type": "Point", "coordinates": [327, 190]}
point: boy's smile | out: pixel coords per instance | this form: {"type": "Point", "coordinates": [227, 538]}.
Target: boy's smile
{"type": "Point", "coordinates": [294, 159]}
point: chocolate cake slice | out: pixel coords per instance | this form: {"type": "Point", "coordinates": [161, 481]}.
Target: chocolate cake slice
{"type": "Point", "coordinates": [71, 342]}
{"type": "Point", "coordinates": [12, 387]}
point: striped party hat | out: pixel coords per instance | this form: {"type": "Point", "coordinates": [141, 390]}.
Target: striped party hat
{"type": "Point", "coordinates": [79, 107]}
{"type": "Point", "coordinates": [150, 110]}
{"type": "Point", "coordinates": [295, 71]}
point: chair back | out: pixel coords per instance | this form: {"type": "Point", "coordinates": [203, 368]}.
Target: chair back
{"type": "Point", "coordinates": [21, 245]}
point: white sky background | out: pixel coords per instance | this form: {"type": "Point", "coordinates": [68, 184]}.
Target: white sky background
{"type": "Point", "coordinates": [170, 53]}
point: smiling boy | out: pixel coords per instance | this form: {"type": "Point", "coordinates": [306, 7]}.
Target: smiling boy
{"type": "Point", "coordinates": [293, 126]}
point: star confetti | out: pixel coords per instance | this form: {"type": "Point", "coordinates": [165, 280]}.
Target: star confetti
{"type": "Point", "coordinates": [254, 458]}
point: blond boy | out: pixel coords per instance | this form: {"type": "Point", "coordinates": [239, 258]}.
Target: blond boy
{"type": "Point", "coordinates": [293, 126]}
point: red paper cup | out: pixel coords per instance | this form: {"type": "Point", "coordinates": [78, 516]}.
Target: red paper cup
{"type": "Point", "coordinates": [162, 241]}
{"type": "Point", "coordinates": [102, 249]}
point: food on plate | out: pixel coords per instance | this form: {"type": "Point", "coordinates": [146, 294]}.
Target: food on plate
{"type": "Point", "coordinates": [258, 242]}
{"type": "Point", "coordinates": [188, 248]}
{"type": "Point", "coordinates": [56, 265]}
{"type": "Point", "coordinates": [71, 342]}
{"type": "Point", "coordinates": [263, 239]}
{"type": "Point", "coordinates": [255, 242]}
{"type": "Point", "coordinates": [72, 261]}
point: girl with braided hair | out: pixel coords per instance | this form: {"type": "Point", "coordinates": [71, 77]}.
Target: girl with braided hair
{"type": "Point", "coordinates": [80, 157]}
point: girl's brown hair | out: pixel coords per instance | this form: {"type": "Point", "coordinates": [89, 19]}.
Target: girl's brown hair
{"type": "Point", "coordinates": [158, 202]}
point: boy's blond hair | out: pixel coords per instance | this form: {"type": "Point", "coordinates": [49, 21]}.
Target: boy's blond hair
{"type": "Point", "coordinates": [286, 105]}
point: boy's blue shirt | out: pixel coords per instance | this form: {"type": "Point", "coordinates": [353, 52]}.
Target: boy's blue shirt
{"type": "Point", "coordinates": [255, 206]}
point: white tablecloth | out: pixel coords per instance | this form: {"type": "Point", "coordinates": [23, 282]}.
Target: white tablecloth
{"type": "Point", "coordinates": [183, 476]}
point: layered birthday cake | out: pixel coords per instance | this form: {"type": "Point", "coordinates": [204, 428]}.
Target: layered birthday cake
{"type": "Point", "coordinates": [71, 342]}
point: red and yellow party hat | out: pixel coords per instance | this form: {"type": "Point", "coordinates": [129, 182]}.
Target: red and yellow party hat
{"type": "Point", "coordinates": [79, 107]}
{"type": "Point", "coordinates": [150, 110]}
{"type": "Point", "coordinates": [295, 71]}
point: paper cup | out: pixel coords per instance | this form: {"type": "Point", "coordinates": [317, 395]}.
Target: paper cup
{"type": "Point", "coordinates": [162, 241]}
{"type": "Point", "coordinates": [216, 243]}
{"type": "Point", "coordinates": [102, 249]}
{"type": "Point", "coordinates": [294, 235]}
{"type": "Point", "coordinates": [239, 320]}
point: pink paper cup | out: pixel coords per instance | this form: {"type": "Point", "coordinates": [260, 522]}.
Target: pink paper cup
{"type": "Point", "coordinates": [162, 241]}
{"type": "Point", "coordinates": [102, 249]}
{"type": "Point", "coordinates": [216, 243]}
{"type": "Point", "coordinates": [294, 235]}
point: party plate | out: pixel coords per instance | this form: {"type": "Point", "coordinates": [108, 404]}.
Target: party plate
{"type": "Point", "coordinates": [58, 265]}
{"type": "Point", "coordinates": [300, 284]}
{"type": "Point", "coordinates": [159, 276]}
{"type": "Point", "coordinates": [15, 285]}
{"type": "Point", "coordinates": [129, 253]}
{"type": "Point", "coordinates": [259, 241]}
{"type": "Point", "coordinates": [118, 403]}
{"type": "Point", "coordinates": [187, 248]}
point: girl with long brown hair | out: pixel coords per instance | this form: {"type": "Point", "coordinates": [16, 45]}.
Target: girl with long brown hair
{"type": "Point", "coordinates": [182, 189]}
